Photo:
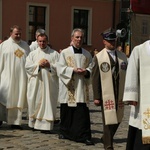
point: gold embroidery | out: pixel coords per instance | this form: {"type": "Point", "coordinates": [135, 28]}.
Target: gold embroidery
{"type": "Point", "coordinates": [146, 140]}
{"type": "Point", "coordinates": [86, 62]}
{"type": "Point", "coordinates": [70, 61]}
{"type": "Point", "coordinates": [147, 113]}
{"type": "Point", "coordinates": [71, 91]}
{"type": "Point", "coordinates": [146, 121]}
{"type": "Point", "coordinates": [19, 53]}
{"type": "Point", "coordinates": [71, 86]}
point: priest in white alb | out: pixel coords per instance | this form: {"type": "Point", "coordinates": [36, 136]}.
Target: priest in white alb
{"type": "Point", "coordinates": [13, 78]}
{"type": "Point", "coordinates": [42, 92]}
{"type": "Point", "coordinates": [137, 94]}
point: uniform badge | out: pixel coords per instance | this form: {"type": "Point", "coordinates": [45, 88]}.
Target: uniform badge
{"type": "Point", "coordinates": [123, 65]}
{"type": "Point", "coordinates": [105, 67]}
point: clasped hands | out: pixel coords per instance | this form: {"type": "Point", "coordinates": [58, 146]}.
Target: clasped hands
{"type": "Point", "coordinates": [79, 71]}
{"type": "Point", "coordinates": [44, 63]}
{"type": "Point", "coordinates": [133, 103]}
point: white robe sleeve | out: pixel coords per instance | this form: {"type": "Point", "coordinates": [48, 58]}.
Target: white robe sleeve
{"type": "Point", "coordinates": [64, 72]}
{"type": "Point", "coordinates": [1, 59]}
{"type": "Point", "coordinates": [32, 68]}
{"type": "Point", "coordinates": [53, 65]}
{"type": "Point", "coordinates": [131, 92]}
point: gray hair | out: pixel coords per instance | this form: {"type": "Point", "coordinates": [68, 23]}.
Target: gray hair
{"type": "Point", "coordinates": [39, 31]}
{"type": "Point", "coordinates": [43, 35]}
{"type": "Point", "coordinates": [77, 30]}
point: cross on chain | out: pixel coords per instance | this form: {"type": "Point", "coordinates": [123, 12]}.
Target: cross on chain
{"type": "Point", "coordinates": [109, 104]}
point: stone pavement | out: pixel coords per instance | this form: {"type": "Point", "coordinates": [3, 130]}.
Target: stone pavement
{"type": "Point", "coordinates": [27, 139]}
{"type": "Point", "coordinates": [35, 140]}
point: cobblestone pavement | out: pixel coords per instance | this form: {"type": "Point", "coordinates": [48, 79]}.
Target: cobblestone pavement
{"type": "Point", "coordinates": [27, 139]}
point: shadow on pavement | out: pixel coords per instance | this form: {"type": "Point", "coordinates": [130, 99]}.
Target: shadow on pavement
{"type": "Point", "coordinates": [124, 140]}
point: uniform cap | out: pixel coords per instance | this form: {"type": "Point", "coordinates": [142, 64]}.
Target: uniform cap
{"type": "Point", "coordinates": [109, 34]}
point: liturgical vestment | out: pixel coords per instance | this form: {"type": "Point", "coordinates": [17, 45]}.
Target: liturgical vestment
{"type": "Point", "coordinates": [13, 80]}
{"type": "Point", "coordinates": [74, 94]}
{"type": "Point", "coordinates": [137, 88]}
{"type": "Point", "coordinates": [42, 92]}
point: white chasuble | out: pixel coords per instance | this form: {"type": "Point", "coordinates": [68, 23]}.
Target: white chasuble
{"type": "Point", "coordinates": [34, 45]}
{"type": "Point", "coordinates": [42, 90]}
{"type": "Point", "coordinates": [137, 89]}
{"type": "Point", "coordinates": [73, 88]}
{"type": "Point", "coordinates": [12, 73]}
{"type": "Point", "coordinates": [13, 78]}
{"type": "Point", "coordinates": [109, 103]}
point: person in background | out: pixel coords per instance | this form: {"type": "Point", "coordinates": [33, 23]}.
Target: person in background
{"type": "Point", "coordinates": [74, 71]}
{"type": "Point", "coordinates": [119, 48]}
{"type": "Point", "coordinates": [1, 41]}
{"type": "Point", "coordinates": [108, 77]}
{"type": "Point", "coordinates": [13, 78]}
{"type": "Point", "coordinates": [95, 51]}
{"type": "Point", "coordinates": [42, 93]}
{"type": "Point", "coordinates": [137, 94]}
{"type": "Point", "coordinates": [59, 51]}
{"type": "Point", "coordinates": [34, 44]}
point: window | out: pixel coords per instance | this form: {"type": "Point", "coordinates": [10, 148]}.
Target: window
{"type": "Point", "coordinates": [144, 27]}
{"type": "Point", "coordinates": [36, 20]}
{"type": "Point", "coordinates": [81, 20]}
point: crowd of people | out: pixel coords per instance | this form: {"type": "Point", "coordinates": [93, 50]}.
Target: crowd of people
{"type": "Point", "coordinates": [37, 77]}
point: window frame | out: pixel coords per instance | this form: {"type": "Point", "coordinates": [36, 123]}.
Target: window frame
{"type": "Point", "coordinates": [144, 27]}
{"type": "Point", "coordinates": [46, 17]}
{"type": "Point", "coordinates": [89, 24]}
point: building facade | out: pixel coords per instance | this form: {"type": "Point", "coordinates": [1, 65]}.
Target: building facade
{"type": "Point", "coordinates": [140, 22]}
{"type": "Point", "coordinates": [59, 18]}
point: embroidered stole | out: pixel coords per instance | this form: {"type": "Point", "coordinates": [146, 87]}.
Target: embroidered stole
{"type": "Point", "coordinates": [144, 95]}
{"type": "Point", "coordinates": [109, 102]}
{"type": "Point", "coordinates": [79, 61]}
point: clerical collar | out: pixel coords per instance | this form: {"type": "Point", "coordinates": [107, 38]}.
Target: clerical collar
{"type": "Point", "coordinates": [77, 50]}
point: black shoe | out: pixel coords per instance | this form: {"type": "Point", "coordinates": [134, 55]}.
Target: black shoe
{"type": "Point", "coordinates": [109, 148]}
{"type": "Point", "coordinates": [88, 142]}
{"type": "Point", "coordinates": [61, 136]}
{"type": "Point", "coordinates": [46, 132]}
{"type": "Point", "coordinates": [102, 140]}
{"type": "Point", "coordinates": [56, 122]}
{"type": "Point", "coordinates": [16, 127]}
{"type": "Point", "coordinates": [1, 122]}
{"type": "Point", "coordinates": [35, 129]}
